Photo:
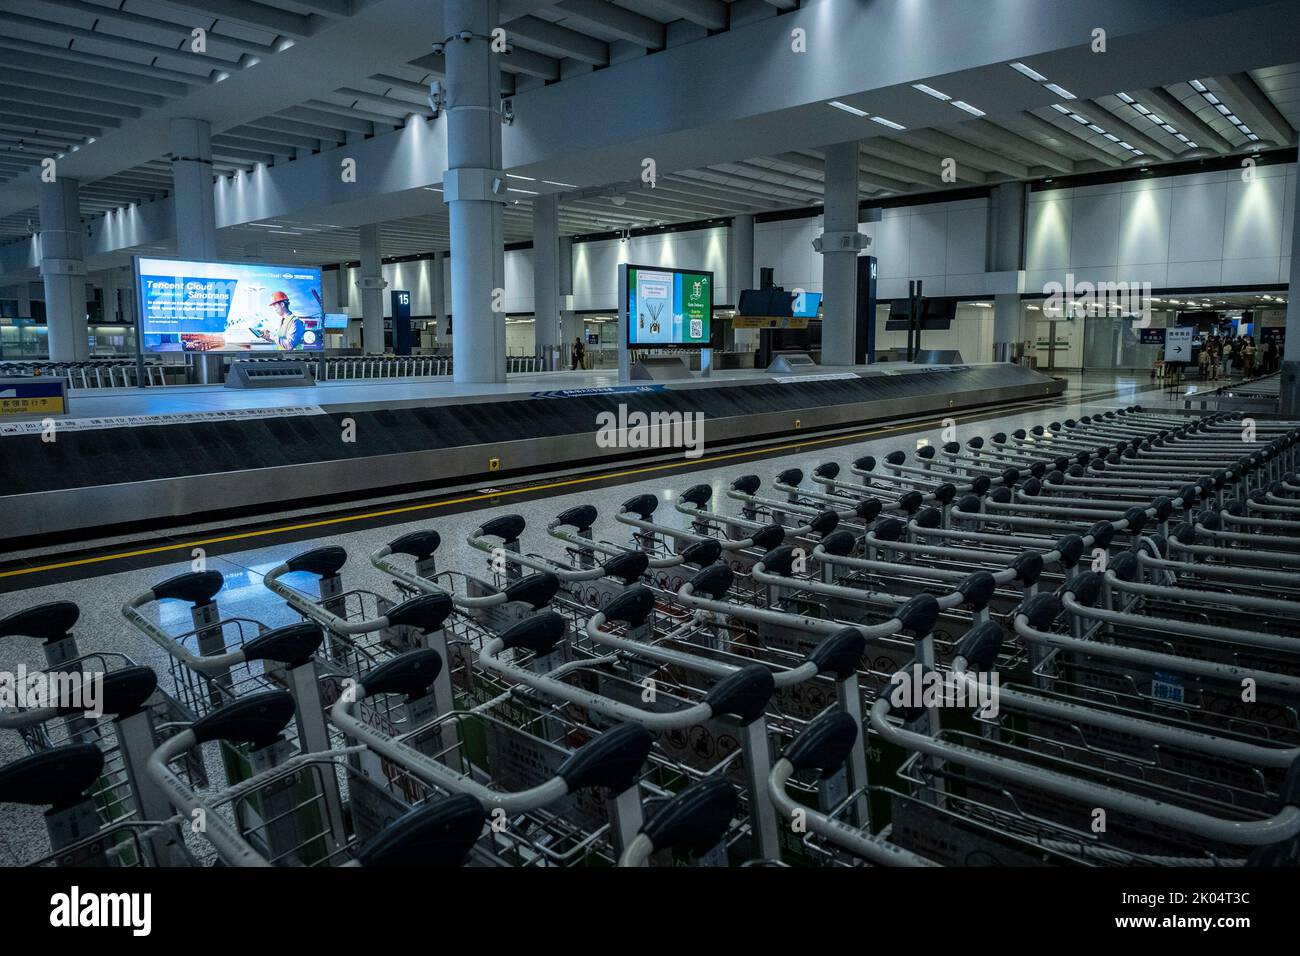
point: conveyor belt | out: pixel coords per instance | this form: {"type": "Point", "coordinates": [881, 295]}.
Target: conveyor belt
{"type": "Point", "coordinates": [87, 478]}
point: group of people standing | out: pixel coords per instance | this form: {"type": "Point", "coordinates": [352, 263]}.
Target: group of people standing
{"type": "Point", "coordinates": [1223, 354]}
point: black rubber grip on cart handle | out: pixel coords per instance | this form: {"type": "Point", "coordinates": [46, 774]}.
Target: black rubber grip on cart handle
{"type": "Point", "coordinates": [292, 645]}
{"type": "Point", "coordinates": [49, 622]}
{"type": "Point", "coordinates": [829, 469]}
{"type": "Point", "coordinates": [643, 506]}
{"type": "Point", "coordinates": [944, 493]}
{"type": "Point", "coordinates": [823, 523]}
{"type": "Point", "coordinates": [1288, 795]}
{"type": "Point", "coordinates": [56, 778]}
{"type": "Point", "coordinates": [865, 463]}
{"type": "Point", "coordinates": [1190, 494]}
{"type": "Point", "coordinates": [743, 694]}
{"type": "Point", "coordinates": [768, 536]}
{"type": "Point", "coordinates": [631, 606]}
{"type": "Point", "coordinates": [1086, 587]}
{"type": "Point", "coordinates": [1001, 495]}
{"type": "Point", "coordinates": [1102, 533]}
{"type": "Point", "coordinates": [425, 612]}
{"type": "Point", "coordinates": [926, 451]}
{"type": "Point", "coordinates": [697, 495]}
{"type": "Point", "coordinates": [747, 484]}
{"type": "Point", "coordinates": [868, 508]}
{"type": "Point", "coordinates": [1070, 548]}
{"type": "Point", "coordinates": [952, 448]}
{"type": "Point", "coordinates": [981, 645]}
{"type": "Point", "coordinates": [579, 519]}
{"type": "Point", "coordinates": [1237, 507]}
{"type": "Point", "coordinates": [1137, 519]}
{"type": "Point", "coordinates": [538, 633]}
{"type": "Point", "coordinates": [714, 581]}
{"type": "Point", "coordinates": [975, 442]}
{"type": "Point", "coordinates": [998, 438]}
{"type": "Point", "coordinates": [1183, 532]}
{"type": "Point", "coordinates": [702, 553]}
{"type": "Point", "coordinates": [1042, 610]}
{"type": "Point", "coordinates": [694, 820]}
{"type": "Point", "coordinates": [535, 590]}
{"type": "Point", "coordinates": [194, 587]}
{"type": "Point", "coordinates": [910, 503]}
{"type": "Point", "coordinates": [824, 744]}
{"type": "Point", "coordinates": [791, 476]}
{"type": "Point", "coordinates": [918, 614]}
{"type": "Point", "coordinates": [969, 504]}
{"type": "Point", "coordinates": [627, 567]}
{"type": "Point", "coordinates": [418, 544]}
{"type": "Point", "coordinates": [436, 834]}
{"type": "Point", "coordinates": [779, 560]}
{"type": "Point", "coordinates": [1010, 477]}
{"type": "Point", "coordinates": [1019, 434]}
{"type": "Point", "coordinates": [888, 529]}
{"type": "Point", "coordinates": [1125, 566]}
{"type": "Point", "coordinates": [840, 543]}
{"type": "Point", "coordinates": [506, 527]}
{"type": "Point", "coordinates": [410, 674]}
{"type": "Point", "coordinates": [1209, 520]}
{"type": "Point", "coordinates": [122, 694]}
{"type": "Point", "coordinates": [612, 761]}
{"type": "Point", "coordinates": [929, 518]}
{"type": "Point", "coordinates": [896, 458]}
{"type": "Point", "coordinates": [978, 588]}
{"type": "Point", "coordinates": [1032, 487]}
{"type": "Point", "coordinates": [323, 562]}
{"type": "Point", "coordinates": [840, 653]}
{"type": "Point", "coordinates": [1028, 566]}
{"type": "Point", "coordinates": [256, 719]}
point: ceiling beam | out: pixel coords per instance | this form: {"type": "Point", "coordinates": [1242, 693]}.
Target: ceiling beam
{"type": "Point", "coordinates": [1177, 113]}
{"type": "Point", "coordinates": [1091, 110]}
{"type": "Point", "coordinates": [104, 92]}
{"type": "Point", "coordinates": [63, 61]}
{"type": "Point", "coordinates": [1071, 139]}
{"type": "Point", "coordinates": [615, 21]}
{"type": "Point", "coordinates": [950, 147]}
{"type": "Point", "coordinates": [259, 16]}
{"type": "Point", "coordinates": [43, 99]}
{"type": "Point", "coordinates": [63, 31]}
{"type": "Point", "coordinates": [1259, 110]}
{"type": "Point", "coordinates": [182, 33]}
{"type": "Point", "coordinates": [1010, 142]}
{"type": "Point", "coordinates": [710, 14]}
{"type": "Point", "coordinates": [556, 41]}
{"type": "Point", "coordinates": [519, 60]}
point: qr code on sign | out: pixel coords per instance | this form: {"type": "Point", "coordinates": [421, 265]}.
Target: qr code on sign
{"type": "Point", "coordinates": [697, 328]}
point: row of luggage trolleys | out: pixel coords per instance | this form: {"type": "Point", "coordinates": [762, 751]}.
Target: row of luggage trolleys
{"type": "Point", "coordinates": [1075, 644]}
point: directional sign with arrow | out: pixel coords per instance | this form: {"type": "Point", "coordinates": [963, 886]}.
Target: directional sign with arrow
{"type": "Point", "coordinates": [1178, 343]}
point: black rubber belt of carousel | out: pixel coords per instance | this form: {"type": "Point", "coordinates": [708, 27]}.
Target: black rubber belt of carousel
{"type": "Point", "coordinates": [80, 459]}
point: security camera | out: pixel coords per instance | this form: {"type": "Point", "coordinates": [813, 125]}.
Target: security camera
{"type": "Point", "coordinates": [439, 49]}
{"type": "Point", "coordinates": [437, 96]}
{"type": "Point", "coordinates": [466, 35]}
{"type": "Point", "coordinates": [507, 110]}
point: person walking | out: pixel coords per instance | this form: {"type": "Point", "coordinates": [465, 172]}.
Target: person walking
{"type": "Point", "coordinates": [1248, 359]}
{"type": "Point", "coordinates": [1270, 357]}
{"type": "Point", "coordinates": [579, 353]}
{"type": "Point", "coordinates": [1203, 361]}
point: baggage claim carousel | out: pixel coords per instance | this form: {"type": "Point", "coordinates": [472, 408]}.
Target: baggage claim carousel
{"type": "Point", "coordinates": [258, 453]}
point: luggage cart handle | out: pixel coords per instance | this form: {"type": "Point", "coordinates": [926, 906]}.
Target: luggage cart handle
{"type": "Point", "coordinates": [49, 622]}
{"type": "Point", "coordinates": [1282, 825]}
{"type": "Point", "coordinates": [696, 820]}
{"type": "Point", "coordinates": [825, 745]}
{"type": "Point", "coordinates": [122, 693]}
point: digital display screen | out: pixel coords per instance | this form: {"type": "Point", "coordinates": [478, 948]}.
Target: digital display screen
{"type": "Point", "coordinates": [190, 306]}
{"type": "Point", "coordinates": [669, 308]}
{"type": "Point", "coordinates": [806, 304]}
{"type": "Point", "coordinates": [336, 320]}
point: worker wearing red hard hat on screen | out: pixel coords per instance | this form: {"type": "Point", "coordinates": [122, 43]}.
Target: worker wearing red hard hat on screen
{"type": "Point", "coordinates": [289, 335]}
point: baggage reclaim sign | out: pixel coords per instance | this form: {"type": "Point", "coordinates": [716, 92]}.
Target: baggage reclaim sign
{"type": "Point", "coordinates": [137, 421]}
{"type": "Point", "coordinates": [29, 395]}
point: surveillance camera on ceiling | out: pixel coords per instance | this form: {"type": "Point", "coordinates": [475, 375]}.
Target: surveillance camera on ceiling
{"type": "Point", "coordinates": [439, 49]}
{"type": "Point", "coordinates": [618, 200]}
{"type": "Point", "coordinates": [437, 96]}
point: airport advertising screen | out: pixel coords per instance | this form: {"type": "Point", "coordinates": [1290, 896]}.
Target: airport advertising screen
{"type": "Point", "coordinates": [668, 308]}
{"type": "Point", "coordinates": [228, 306]}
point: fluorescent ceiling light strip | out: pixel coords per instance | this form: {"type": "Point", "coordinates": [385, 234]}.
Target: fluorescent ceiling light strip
{"type": "Point", "coordinates": [531, 192]}
{"type": "Point", "coordinates": [551, 182]}
{"type": "Point", "coordinates": [1031, 73]}
{"type": "Point", "coordinates": [1125, 97]}
{"type": "Point", "coordinates": [1197, 85]}
{"type": "Point", "coordinates": [972, 110]}
{"type": "Point", "coordinates": [1061, 91]}
{"type": "Point", "coordinates": [884, 122]}
{"type": "Point", "coordinates": [1061, 109]}
{"type": "Point", "coordinates": [517, 176]}
{"type": "Point", "coordinates": [931, 91]}
{"type": "Point", "coordinates": [848, 109]}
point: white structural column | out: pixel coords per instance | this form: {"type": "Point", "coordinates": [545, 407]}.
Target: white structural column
{"type": "Point", "coordinates": [25, 300]}
{"type": "Point", "coordinates": [372, 284]}
{"type": "Point", "coordinates": [570, 327]}
{"type": "Point", "coordinates": [438, 292]}
{"type": "Point", "coordinates": [1290, 407]}
{"type": "Point", "coordinates": [192, 200]}
{"type": "Point", "coordinates": [1006, 254]}
{"type": "Point", "coordinates": [546, 275]}
{"type": "Point", "coordinates": [109, 295]}
{"type": "Point", "coordinates": [740, 267]}
{"type": "Point", "coordinates": [474, 188]}
{"type": "Point", "coordinates": [840, 243]}
{"type": "Point", "coordinates": [64, 271]}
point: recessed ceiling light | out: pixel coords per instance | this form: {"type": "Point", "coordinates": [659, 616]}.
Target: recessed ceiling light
{"type": "Point", "coordinates": [1060, 91]}
{"type": "Point", "coordinates": [1125, 97]}
{"type": "Point", "coordinates": [1031, 73]}
{"type": "Point", "coordinates": [972, 110]}
{"type": "Point", "coordinates": [551, 182]}
{"type": "Point", "coordinates": [848, 109]}
{"type": "Point", "coordinates": [517, 176]}
{"type": "Point", "coordinates": [1197, 85]}
{"type": "Point", "coordinates": [884, 122]}
{"type": "Point", "coordinates": [931, 91]}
